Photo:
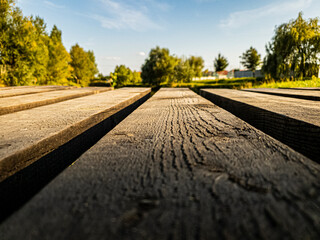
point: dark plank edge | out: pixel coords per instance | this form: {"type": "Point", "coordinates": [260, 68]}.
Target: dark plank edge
{"type": "Point", "coordinates": [313, 98]}
{"type": "Point", "coordinates": [299, 135]}
{"type": "Point", "coordinates": [25, 157]}
{"type": "Point", "coordinates": [21, 107]}
{"type": "Point", "coordinates": [18, 188]}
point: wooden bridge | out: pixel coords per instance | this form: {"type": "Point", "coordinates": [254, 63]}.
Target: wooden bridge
{"type": "Point", "coordinates": [97, 164]}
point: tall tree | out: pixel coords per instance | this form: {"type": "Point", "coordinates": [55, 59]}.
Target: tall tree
{"type": "Point", "coordinates": [58, 69]}
{"type": "Point", "coordinates": [84, 67]}
{"type": "Point", "coordinates": [196, 64]}
{"type": "Point", "coordinates": [41, 58]}
{"type": "Point", "coordinates": [122, 75]}
{"type": "Point", "coordinates": [19, 49]}
{"type": "Point", "coordinates": [251, 59]}
{"type": "Point", "coordinates": [220, 63]}
{"type": "Point", "coordinates": [183, 71]}
{"type": "Point", "coordinates": [294, 49]}
{"type": "Point", "coordinates": [159, 67]}
{"type": "Point", "coordinates": [93, 64]}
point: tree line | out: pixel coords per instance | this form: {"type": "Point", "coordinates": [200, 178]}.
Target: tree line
{"type": "Point", "coordinates": [293, 52]}
{"type": "Point", "coordinates": [30, 55]}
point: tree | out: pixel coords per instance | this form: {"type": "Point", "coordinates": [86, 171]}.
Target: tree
{"type": "Point", "coordinates": [136, 77]}
{"type": "Point", "coordinates": [159, 67]}
{"type": "Point", "coordinates": [41, 57]}
{"type": "Point", "coordinates": [83, 64]}
{"type": "Point", "coordinates": [28, 55]}
{"type": "Point", "coordinates": [58, 69]}
{"type": "Point", "coordinates": [183, 71]}
{"type": "Point", "coordinates": [122, 75]}
{"type": "Point", "coordinates": [294, 49]}
{"type": "Point", "coordinates": [251, 59]}
{"type": "Point", "coordinates": [196, 64]}
{"type": "Point", "coordinates": [220, 63]}
{"type": "Point", "coordinates": [93, 65]}
{"type": "Point", "coordinates": [18, 49]}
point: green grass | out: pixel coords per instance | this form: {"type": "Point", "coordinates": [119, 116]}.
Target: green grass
{"type": "Point", "coordinates": [234, 83]}
{"type": "Point", "coordinates": [314, 82]}
{"type": "Point", "coordinates": [239, 83]}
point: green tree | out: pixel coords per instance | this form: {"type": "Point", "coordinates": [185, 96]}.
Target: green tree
{"type": "Point", "coordinates": [196, 64]}
{"type": "Point", "coordinates": [41, 57]}
{"type": "Point", "coordinates": [58, 70]}
{"type": "Point", "coordinates": [159, 67]}
{"type": "Point", "coordinates": [183, 71]}
{"type": "Point", "coordinates": [294, 49]}
{"type": "Point", "coordinates": [93, 65]}
{"type": "Point", "coordinates": [20, 49]}
{"type": "Point", "coordinates": [251, 59]}
{"type": "Point", "coordinates": [136, 77]}
{"type": "Point", "coordinates": [83, 64]}
{"type": "Point", "coordinates": [220, 63]}
{"type": "Point", "coordinates": [121, 76]}
{"type": "Point", "coordinates": [6, 9]}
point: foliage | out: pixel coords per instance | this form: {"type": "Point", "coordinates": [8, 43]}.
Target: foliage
{"type": "Point", "coordinates": [183, 71]}
{"type": "Point", "coordinates": [196, 64]}
{"type": "Point", "coordinates": [162, 68]}
{"type": "Point", "coordinates": [251, 59]}
{"type": "Point", "coordinates": [123, 75]}
{"type": "Point", "coordinates": [294, 50]}
{"type": "Point", "coordinates": [58, 69]}
{"type": "Point", "coordinates": [286, 83]}
{"type": "Point", "coordinates": [83, 64]}
{"type": "Point", "coordinates": [28, 55]}
{"type": "Point", "coordinates": [159, 67]}
{"type": "Point", "coordinates": [220, 63]}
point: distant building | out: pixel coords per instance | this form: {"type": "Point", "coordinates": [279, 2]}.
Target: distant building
{"type": "Point", "coordinates": [222, 74]}
{"type": "Point", "coordinates": [247, 73]}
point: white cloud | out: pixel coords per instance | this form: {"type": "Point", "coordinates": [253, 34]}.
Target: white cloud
{"type": "Point", "coordinates": [122, 16]}
{"type": "Point", "coordinates": [111, 58]}
{"type": "Point", "coordinates": [51, 4]}
{"type": "Point", "coordinates": [142, 53]}
{"type": "Point", "coordinates": [242, 18]}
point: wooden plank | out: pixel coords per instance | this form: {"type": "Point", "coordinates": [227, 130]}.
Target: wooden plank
{"type": "Point", "coordinates": [16, 91]}
{"type": "Point", "coordinates": [306, 88]}
{"type": "Point", "coordinates": [178, 167]}
{"type": "Point", "coordinates": [31, 134]}
{"type": "Point", "coordinates": [22, 102]}
{"type": "Point", "coordinates": [295, 122]}
{"type": "Point", "coordinates": [295, 93]}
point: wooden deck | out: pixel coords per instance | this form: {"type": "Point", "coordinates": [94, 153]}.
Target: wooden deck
{"type": "Point", "coordinates": [28, 101]}
{"type": "Point", "coordinates": [178, 167]}
{"type": "Point", "coordinates": [308, 94]}
{"type": "Point", "coordinates": [295, 122]}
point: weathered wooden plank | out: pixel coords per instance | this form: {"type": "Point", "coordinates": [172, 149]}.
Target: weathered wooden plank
{"type": "Point", "coordinates": [306, 88]}
{"type": "Point", "coordinates": [295, 93]}
{"type": "Point", "coordinates": [16, 91]}
{"type": "Point", "coordinates": [22, 102]}
{"type": "Point", "coordinates": [295, 122]}
{"type": "Point", "coordinates": [31, 134]}
{"type": "Point", "coordinates": [178, 167]}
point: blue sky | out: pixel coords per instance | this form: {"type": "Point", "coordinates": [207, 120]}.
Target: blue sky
{"type": "Point", "coordinates": [124, 31]}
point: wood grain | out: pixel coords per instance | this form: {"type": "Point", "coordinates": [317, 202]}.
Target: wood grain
{"type": "Point", "coordinates": [294, 93]}
{"type": "Point", "coordinates": [29, 135]}
{"type": "Point", "coordinates": [295, 122]}
{"type": "Point", "coordinates": [178, 167]}
{"type": "Point", "coordinates": [28, 101]}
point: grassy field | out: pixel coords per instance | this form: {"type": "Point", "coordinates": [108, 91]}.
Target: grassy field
{"type": "Point", "coordinates": [234, 83]}
{"type": "Point", "coordinates": [314, 82]}
{"type": "Point", "coordinates": [239, 83]}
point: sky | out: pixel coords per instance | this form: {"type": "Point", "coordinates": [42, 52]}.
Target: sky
{"type": "Point", "coordinates": [124, 31]}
